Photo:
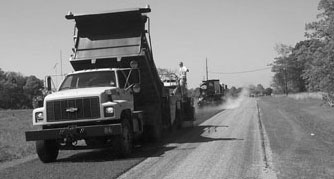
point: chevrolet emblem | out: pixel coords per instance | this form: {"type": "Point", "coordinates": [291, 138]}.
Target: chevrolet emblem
{"type": "Point", "coordinates": [72, 109]}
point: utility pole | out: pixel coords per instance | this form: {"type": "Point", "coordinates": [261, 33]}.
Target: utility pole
{"type": "Point", "coordinates": [61, 65]}
{"type": "Point", "coordinates": [206, 65]}
{"type": "Point", "coordinates": [55, 67]}
{"type": "Point", "coordinates": [285, 68]}
{"type": "Point", "coordinates": [286, 77]}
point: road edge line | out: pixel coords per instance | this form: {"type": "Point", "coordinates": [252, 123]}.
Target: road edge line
{"type": "Point", "coordinates": [265, 145]}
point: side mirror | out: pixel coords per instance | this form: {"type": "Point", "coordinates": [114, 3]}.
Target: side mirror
{"type": "Point", "coordinates": [136, 88]}
{"type": "Point", "coordinates": [48, 82]}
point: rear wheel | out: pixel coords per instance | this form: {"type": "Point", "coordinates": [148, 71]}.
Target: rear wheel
{"type": "Point", "coordinates": [47, 150]}
{"type": "Point", "coordinates": [156, 127]}
{"type": "Point", "coordinates": [179, 116]}
{"type": "Point", "coordinates": [156, 133]}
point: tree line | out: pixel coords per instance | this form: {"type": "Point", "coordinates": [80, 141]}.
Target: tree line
{"type": "Point", "coordinates": [308, 66]}
{"type": "Point", "coordinates": [18, 91]}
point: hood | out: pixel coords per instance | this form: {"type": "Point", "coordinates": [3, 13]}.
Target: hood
{"type": "Point", "coordinates": [77, 93]}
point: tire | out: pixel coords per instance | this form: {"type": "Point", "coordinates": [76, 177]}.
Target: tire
{"type": "Point", "coordinates": [47, 150]}
{"type": "Point", "coordinates": [156, 133]}
{"type": "Point", "coordinates": [181, 116]}
{"type": "Point", "coordinates": [124, 143]}
{"type": "Point", "coordinates": [191, 115]}
{"type": "Point", "coordinates": [151, 134]}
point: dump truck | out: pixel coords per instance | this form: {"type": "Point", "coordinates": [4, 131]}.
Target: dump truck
{"type": "Point", "coordinates": [115, 96]}
{"type": "Point", "coordinates": [211, 92]}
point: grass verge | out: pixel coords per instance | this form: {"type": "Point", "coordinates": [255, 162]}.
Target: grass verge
{"type": "Point", "coordinates": [301, 135]}
{"type": "Point", "coordinates": [13, 124]}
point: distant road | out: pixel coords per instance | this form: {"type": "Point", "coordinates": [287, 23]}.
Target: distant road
{"type": "Point", "coordinates": [231, 144]}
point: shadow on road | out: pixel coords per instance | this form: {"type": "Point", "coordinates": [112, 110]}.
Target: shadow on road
{"type": "Point", "coordinates": [196, 134]}
{"type": "Point", "coordinates": [199, 134]}
{"type": "Point", "coordinates": [102, 155]}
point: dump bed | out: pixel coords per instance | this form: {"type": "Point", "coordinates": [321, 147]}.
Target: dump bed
{"type": "Point", "coordinates": [105, 37]}
{"type": "Point", "coordinates": [112, 40]}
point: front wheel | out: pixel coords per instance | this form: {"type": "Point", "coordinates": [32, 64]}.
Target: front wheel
{"type": "Point", "coordinates": [124, 142]}
{"type": "Point", "coordinates": [47, 150]}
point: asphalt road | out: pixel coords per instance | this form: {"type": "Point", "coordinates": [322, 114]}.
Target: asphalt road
{"type": "Point", "coordinates": [230, 144]}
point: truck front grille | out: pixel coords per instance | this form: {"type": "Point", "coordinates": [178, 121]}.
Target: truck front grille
{"type": "Point", "coordinates": [73, 109]}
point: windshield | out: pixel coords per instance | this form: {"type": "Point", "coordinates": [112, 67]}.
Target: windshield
{"type": "Point", "coordinates": [88, 80]}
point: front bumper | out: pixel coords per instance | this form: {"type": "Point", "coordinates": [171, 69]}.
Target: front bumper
{"type": "Point", "coordinates": [77, 132]}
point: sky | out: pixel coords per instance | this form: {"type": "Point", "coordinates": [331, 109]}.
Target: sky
{"type": "Point", "coordinates": [233, 35]}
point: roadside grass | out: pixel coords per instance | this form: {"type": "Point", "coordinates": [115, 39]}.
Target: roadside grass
{"type": "Point", "coordinates": [301, 134]}
{"type": "Point", "coordinates": [13, 124]}
{"type": "Point", "coordinates": [312, 113]}
{"type": "Point", "coordinates": [314, 116]}
{"type": "Point", "coordinates": [302, 96]}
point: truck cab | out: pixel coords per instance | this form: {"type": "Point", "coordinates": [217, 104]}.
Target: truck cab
{"type": "Point", "coordinates": [90, 95]}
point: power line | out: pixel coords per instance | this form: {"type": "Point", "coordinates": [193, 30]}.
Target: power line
{"type": "Point", "coordinates": [239, 72]}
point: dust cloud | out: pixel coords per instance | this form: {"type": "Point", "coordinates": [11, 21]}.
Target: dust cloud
{"type": "Point", "coordinates": [229, 102]}
{"type": "Point", "coordinates": [232, 102]}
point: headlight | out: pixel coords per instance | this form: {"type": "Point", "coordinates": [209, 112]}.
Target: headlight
{"type": "Point", "coordinates": [39, 117]}
{"type": "Point", "coordinates": [109, 111]}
